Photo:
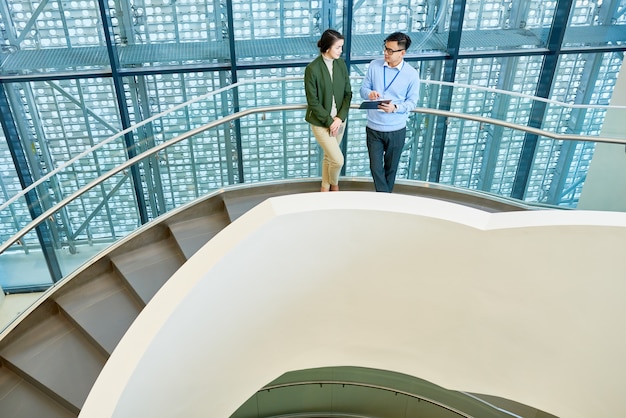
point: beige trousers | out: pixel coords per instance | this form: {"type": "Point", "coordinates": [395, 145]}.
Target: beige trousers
{"type": "Point", "coordinates": [333, 157]}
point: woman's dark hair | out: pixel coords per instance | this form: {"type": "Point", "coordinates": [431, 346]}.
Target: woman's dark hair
{"type": "Point", "coordinates": [329, 37]}
{"type": "Point", "coordinates": [403, 40]}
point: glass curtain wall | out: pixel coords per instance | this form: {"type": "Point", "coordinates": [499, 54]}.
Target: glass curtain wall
{"type": "Point", "coordinates": [76, 72]}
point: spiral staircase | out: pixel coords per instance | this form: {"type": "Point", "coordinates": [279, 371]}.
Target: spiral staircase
{"type": "Point", "coordinates": [52, 354]}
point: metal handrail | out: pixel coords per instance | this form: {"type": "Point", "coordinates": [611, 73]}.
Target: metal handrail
{"type": "Point", "coordinates": [369, 386]}
{"type": "Point", "coordinates": [106, 141]}
{"type": "Point", "coordinates": [48, 213]}
{"type": "Point", "coordinates": [531, 130]}
{"type": "Point", "coordinates": [243, 82]}
{"type": "Point", "coordinates": [522, 95]}
{"type": "Point", "coordinates": [128, 163]}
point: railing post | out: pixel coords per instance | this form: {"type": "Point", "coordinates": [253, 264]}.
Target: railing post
{"type": "Point", "coordinates": [23, 173]}
{"type": "Point", "coordinates": [544, 85]}
{"type": "Point", "coordinates": [233, 77]}
{"type": "Point", "coordinates": [121, 103]}
{"type": "Point", "coordinates": [449, 73]}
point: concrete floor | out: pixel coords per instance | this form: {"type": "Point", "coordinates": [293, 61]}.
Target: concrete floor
{"type": "Point", "coordinates": [30, 269]}
{"type": "Point", "coordinates": [13, 305]}
{"type": "Point", "coordinates": [21, 269]}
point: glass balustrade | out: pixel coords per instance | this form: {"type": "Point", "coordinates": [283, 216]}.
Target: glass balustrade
{"type": "Point", "coordinates": [478, 142]}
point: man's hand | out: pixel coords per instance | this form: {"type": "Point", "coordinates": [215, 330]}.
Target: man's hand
{"type": "Point", "coordinates": [387, 107]}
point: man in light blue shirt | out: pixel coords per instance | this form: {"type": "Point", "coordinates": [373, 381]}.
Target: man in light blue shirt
{"type": "Point", "coordinates": [394, 79]}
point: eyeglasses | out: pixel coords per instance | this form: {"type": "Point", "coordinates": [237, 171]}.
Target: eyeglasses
{"type": "Point", "coordinates": [391, 51]}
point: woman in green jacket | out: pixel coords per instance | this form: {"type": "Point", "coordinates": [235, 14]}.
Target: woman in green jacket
{"type": "Point", "coordinates": [328, 95]}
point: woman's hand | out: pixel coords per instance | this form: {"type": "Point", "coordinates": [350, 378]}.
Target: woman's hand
{"type": "Point", "coordinates": [334, 127]}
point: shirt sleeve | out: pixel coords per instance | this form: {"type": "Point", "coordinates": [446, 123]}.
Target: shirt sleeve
{"type": "Point", "coordinates": [412, 95]}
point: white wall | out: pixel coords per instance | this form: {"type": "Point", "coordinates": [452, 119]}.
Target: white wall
{"type": "Point", "coordinates": [605, 185]}
{"type": "Point", "coordinates": [527, 306]}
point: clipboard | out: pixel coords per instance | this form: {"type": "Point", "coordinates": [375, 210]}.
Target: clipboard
{"type": "Point", "coordinates": [372, 104]}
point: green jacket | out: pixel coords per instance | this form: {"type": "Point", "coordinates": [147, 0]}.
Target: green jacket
{"type": "Point", "coordinates": [319, 91]}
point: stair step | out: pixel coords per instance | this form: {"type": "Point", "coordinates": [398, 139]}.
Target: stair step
{"type": "Point", "coordinates": [22, 399]}
{"type": "Point", "coordinates": [240, 201]}
{"type": "Point", "coordinates": [48, 349]}
{"type": "Point", "coordinates": [102, 305]}
{"type": "Point", "coordinates": [192, 234]}
{"type": "Point", "coordinates": [148, 267]}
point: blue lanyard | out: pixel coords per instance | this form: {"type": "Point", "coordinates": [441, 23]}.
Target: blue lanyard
{"type": "Point", "coordinates": [392, 80]}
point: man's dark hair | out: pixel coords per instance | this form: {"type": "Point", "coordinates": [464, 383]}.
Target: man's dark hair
{"type": "Point", "coordinates": [329, 37]}
{"type": "Point", "coordinates": [403, 40]}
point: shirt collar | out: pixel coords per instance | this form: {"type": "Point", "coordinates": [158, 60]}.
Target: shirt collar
{"type": "Point", "coordinates": [397, 67]}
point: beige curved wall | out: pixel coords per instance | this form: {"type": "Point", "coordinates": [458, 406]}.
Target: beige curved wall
{"type": "Point", "coordinates": [527, 305]}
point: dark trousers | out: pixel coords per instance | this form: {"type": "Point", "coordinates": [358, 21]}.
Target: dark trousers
{"type": "Point", "coordinates": [385, 149]}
